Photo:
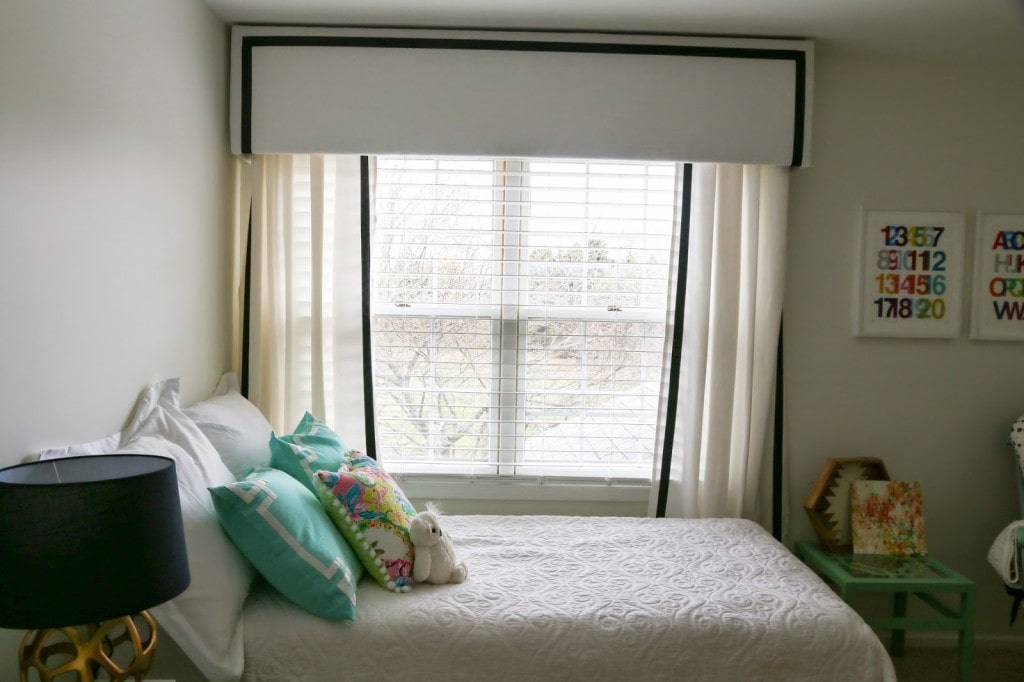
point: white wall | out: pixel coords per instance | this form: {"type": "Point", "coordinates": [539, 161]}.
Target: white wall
{"type": "Point", "coordinates": [113, 183]}
{"type": "Point", "coordinates": [114, 174]}
{"type": "Point", "coordinates": [905, 135]}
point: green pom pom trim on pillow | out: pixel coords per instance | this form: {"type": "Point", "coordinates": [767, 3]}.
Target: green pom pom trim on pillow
{"type": "Point", "coordinates": [373, 514]}
{"type": "Point", "coordinates": [312, 447]}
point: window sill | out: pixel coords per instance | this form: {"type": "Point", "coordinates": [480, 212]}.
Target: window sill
{"type": "Point", "coordinates": [425, 486]}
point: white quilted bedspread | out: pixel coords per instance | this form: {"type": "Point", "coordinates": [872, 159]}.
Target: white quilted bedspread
{"type": "Point", "coordinates": [573, 598]}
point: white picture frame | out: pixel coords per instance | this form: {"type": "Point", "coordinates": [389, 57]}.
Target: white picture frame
{"type": "Point", "coordinates": [910, 275]}
{"type": "Point", "coordinates": [997, 300]}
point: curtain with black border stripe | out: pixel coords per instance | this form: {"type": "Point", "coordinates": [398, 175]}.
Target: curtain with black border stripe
{"type": "Point", "coordinates": [669, 397]}
{"type": "Point", "coordinates": [305, 349]}
{"type": "Point", "coordinates": [239, 254]}
{"type": "Point", "coordinates": [721, 428]}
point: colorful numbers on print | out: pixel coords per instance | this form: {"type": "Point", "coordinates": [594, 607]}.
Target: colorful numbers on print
{"type": "Point", "coordinates": [911, 273]}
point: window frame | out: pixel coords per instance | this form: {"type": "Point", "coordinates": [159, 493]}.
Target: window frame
{"type": "Point", "coordinates": [451, 478]}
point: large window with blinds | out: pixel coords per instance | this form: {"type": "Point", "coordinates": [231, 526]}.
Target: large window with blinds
{"type": "Point", "coordinates": [518, 314]}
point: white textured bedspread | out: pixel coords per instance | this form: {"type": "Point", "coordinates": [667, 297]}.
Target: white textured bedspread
{"type": "Point", "coordinates": [574, 598]}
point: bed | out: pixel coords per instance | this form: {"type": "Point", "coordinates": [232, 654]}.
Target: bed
{"type": "Point", "coordinates": [596, 598]}
{"type": "Point", "coordinates": [547, 597]}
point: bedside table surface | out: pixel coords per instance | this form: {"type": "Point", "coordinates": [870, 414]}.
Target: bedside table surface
{"type": "Point", "coordinates": [881, 572]}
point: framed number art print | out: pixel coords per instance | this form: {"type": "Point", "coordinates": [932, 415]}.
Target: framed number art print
{"type": "Point", "coordinates": [911, 276]}
{"type": "Point", "coordinates": [997, 312]}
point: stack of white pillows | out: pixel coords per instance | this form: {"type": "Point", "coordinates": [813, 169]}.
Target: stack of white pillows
{"type": "Point", "coordinates": [212, 444]}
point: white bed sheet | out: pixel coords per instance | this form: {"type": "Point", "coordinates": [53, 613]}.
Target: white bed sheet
{"type": "Point", "coordinates": [595, 598]}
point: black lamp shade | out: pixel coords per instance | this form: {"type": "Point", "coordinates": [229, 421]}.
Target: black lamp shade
{"type": "Point", "coordinates": [88, 539]}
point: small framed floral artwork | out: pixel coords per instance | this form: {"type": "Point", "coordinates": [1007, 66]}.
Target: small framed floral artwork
{"type": "Point", "coordinates": [887, 517]}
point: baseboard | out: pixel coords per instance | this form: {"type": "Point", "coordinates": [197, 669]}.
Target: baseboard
{"type": "Point", "coordinates": [946, 638]}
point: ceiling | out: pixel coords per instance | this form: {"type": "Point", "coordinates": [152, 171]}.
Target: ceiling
{"type": "Point", "coordinates": [927, 29]}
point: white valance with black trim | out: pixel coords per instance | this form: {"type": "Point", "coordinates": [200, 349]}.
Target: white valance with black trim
{"type": "Point", "coordinates": [380, 91]}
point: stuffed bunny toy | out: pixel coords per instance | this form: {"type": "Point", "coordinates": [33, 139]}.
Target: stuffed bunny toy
{"type": "Point", "coordinates": [434, 560]}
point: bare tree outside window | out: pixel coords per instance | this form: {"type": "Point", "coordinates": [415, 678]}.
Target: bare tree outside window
{"type": "Point", "coordinates": [518, 313]}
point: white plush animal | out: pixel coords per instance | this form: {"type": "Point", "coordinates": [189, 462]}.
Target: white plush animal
{"type": "Point", "coordinates": [434, 560]}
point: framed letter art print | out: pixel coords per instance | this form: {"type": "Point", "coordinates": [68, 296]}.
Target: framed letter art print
{"type": "Point", "coordinates": [911, 274]}
{"type": "Point", "coordinates": [997, 312]}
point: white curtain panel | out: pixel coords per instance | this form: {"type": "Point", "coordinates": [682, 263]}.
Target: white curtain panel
{"type": "Point", "coordinates": [305, 342]}
{"type": "Point", "coordinates": [271, 334]}
{"type": "Point", "coordinates": [734, 288]}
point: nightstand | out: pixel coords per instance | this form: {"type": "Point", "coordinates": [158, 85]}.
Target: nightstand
{"type": "Point", "coordinates": [924, 577]}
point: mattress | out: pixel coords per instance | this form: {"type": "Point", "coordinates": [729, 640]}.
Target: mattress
{"type": "Point", "coordinates": [596, 598]}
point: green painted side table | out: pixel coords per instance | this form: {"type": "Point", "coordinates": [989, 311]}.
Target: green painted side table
{"type": "Point", "coordinates": [924, 577]}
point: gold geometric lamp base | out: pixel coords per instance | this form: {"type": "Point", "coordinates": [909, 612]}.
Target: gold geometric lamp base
{"type": "Point", "coordinates": [79, 653]}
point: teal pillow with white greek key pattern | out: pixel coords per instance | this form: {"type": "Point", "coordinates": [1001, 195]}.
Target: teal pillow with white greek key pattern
{"type": "Point", "coordinates": [283, 530]}
{"type": "Point", "coordinates": [312, 447]}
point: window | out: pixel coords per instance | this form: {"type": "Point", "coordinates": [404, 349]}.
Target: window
{"type": "Point", "coordinates": [518, 314]}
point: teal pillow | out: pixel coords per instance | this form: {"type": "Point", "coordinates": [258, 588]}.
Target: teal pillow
{"type": "Point", "coordinates": [311, 448]}
{"type": "Point", "coordinates": [281, 528]}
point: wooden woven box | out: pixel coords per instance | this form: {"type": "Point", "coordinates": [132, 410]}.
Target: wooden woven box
{"type": "Point", "coordinates": [828, 504]}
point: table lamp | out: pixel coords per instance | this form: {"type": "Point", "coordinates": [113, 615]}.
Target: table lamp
{"type": "Point", "coordinates": [86, 544]}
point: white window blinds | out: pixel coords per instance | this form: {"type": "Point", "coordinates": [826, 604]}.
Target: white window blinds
{"type": "Point", "coordinates": [518, 314]}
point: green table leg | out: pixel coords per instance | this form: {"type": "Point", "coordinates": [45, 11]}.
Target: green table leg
{"type": "Point", "coordinates": [965, 639]}
{"type": "Point", "coordinates": [899, 610]}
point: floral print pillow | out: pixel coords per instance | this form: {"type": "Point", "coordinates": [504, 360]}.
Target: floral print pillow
{"type": "Point", "coordinates": [373, 514]}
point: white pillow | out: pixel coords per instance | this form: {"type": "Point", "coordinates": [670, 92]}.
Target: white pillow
{"type": "Point", "coordinates": [204, 620]}
{"type": "Point", "coordinates": [102, 446]}
{"type": "Point", "coordinates": [237, 429]}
